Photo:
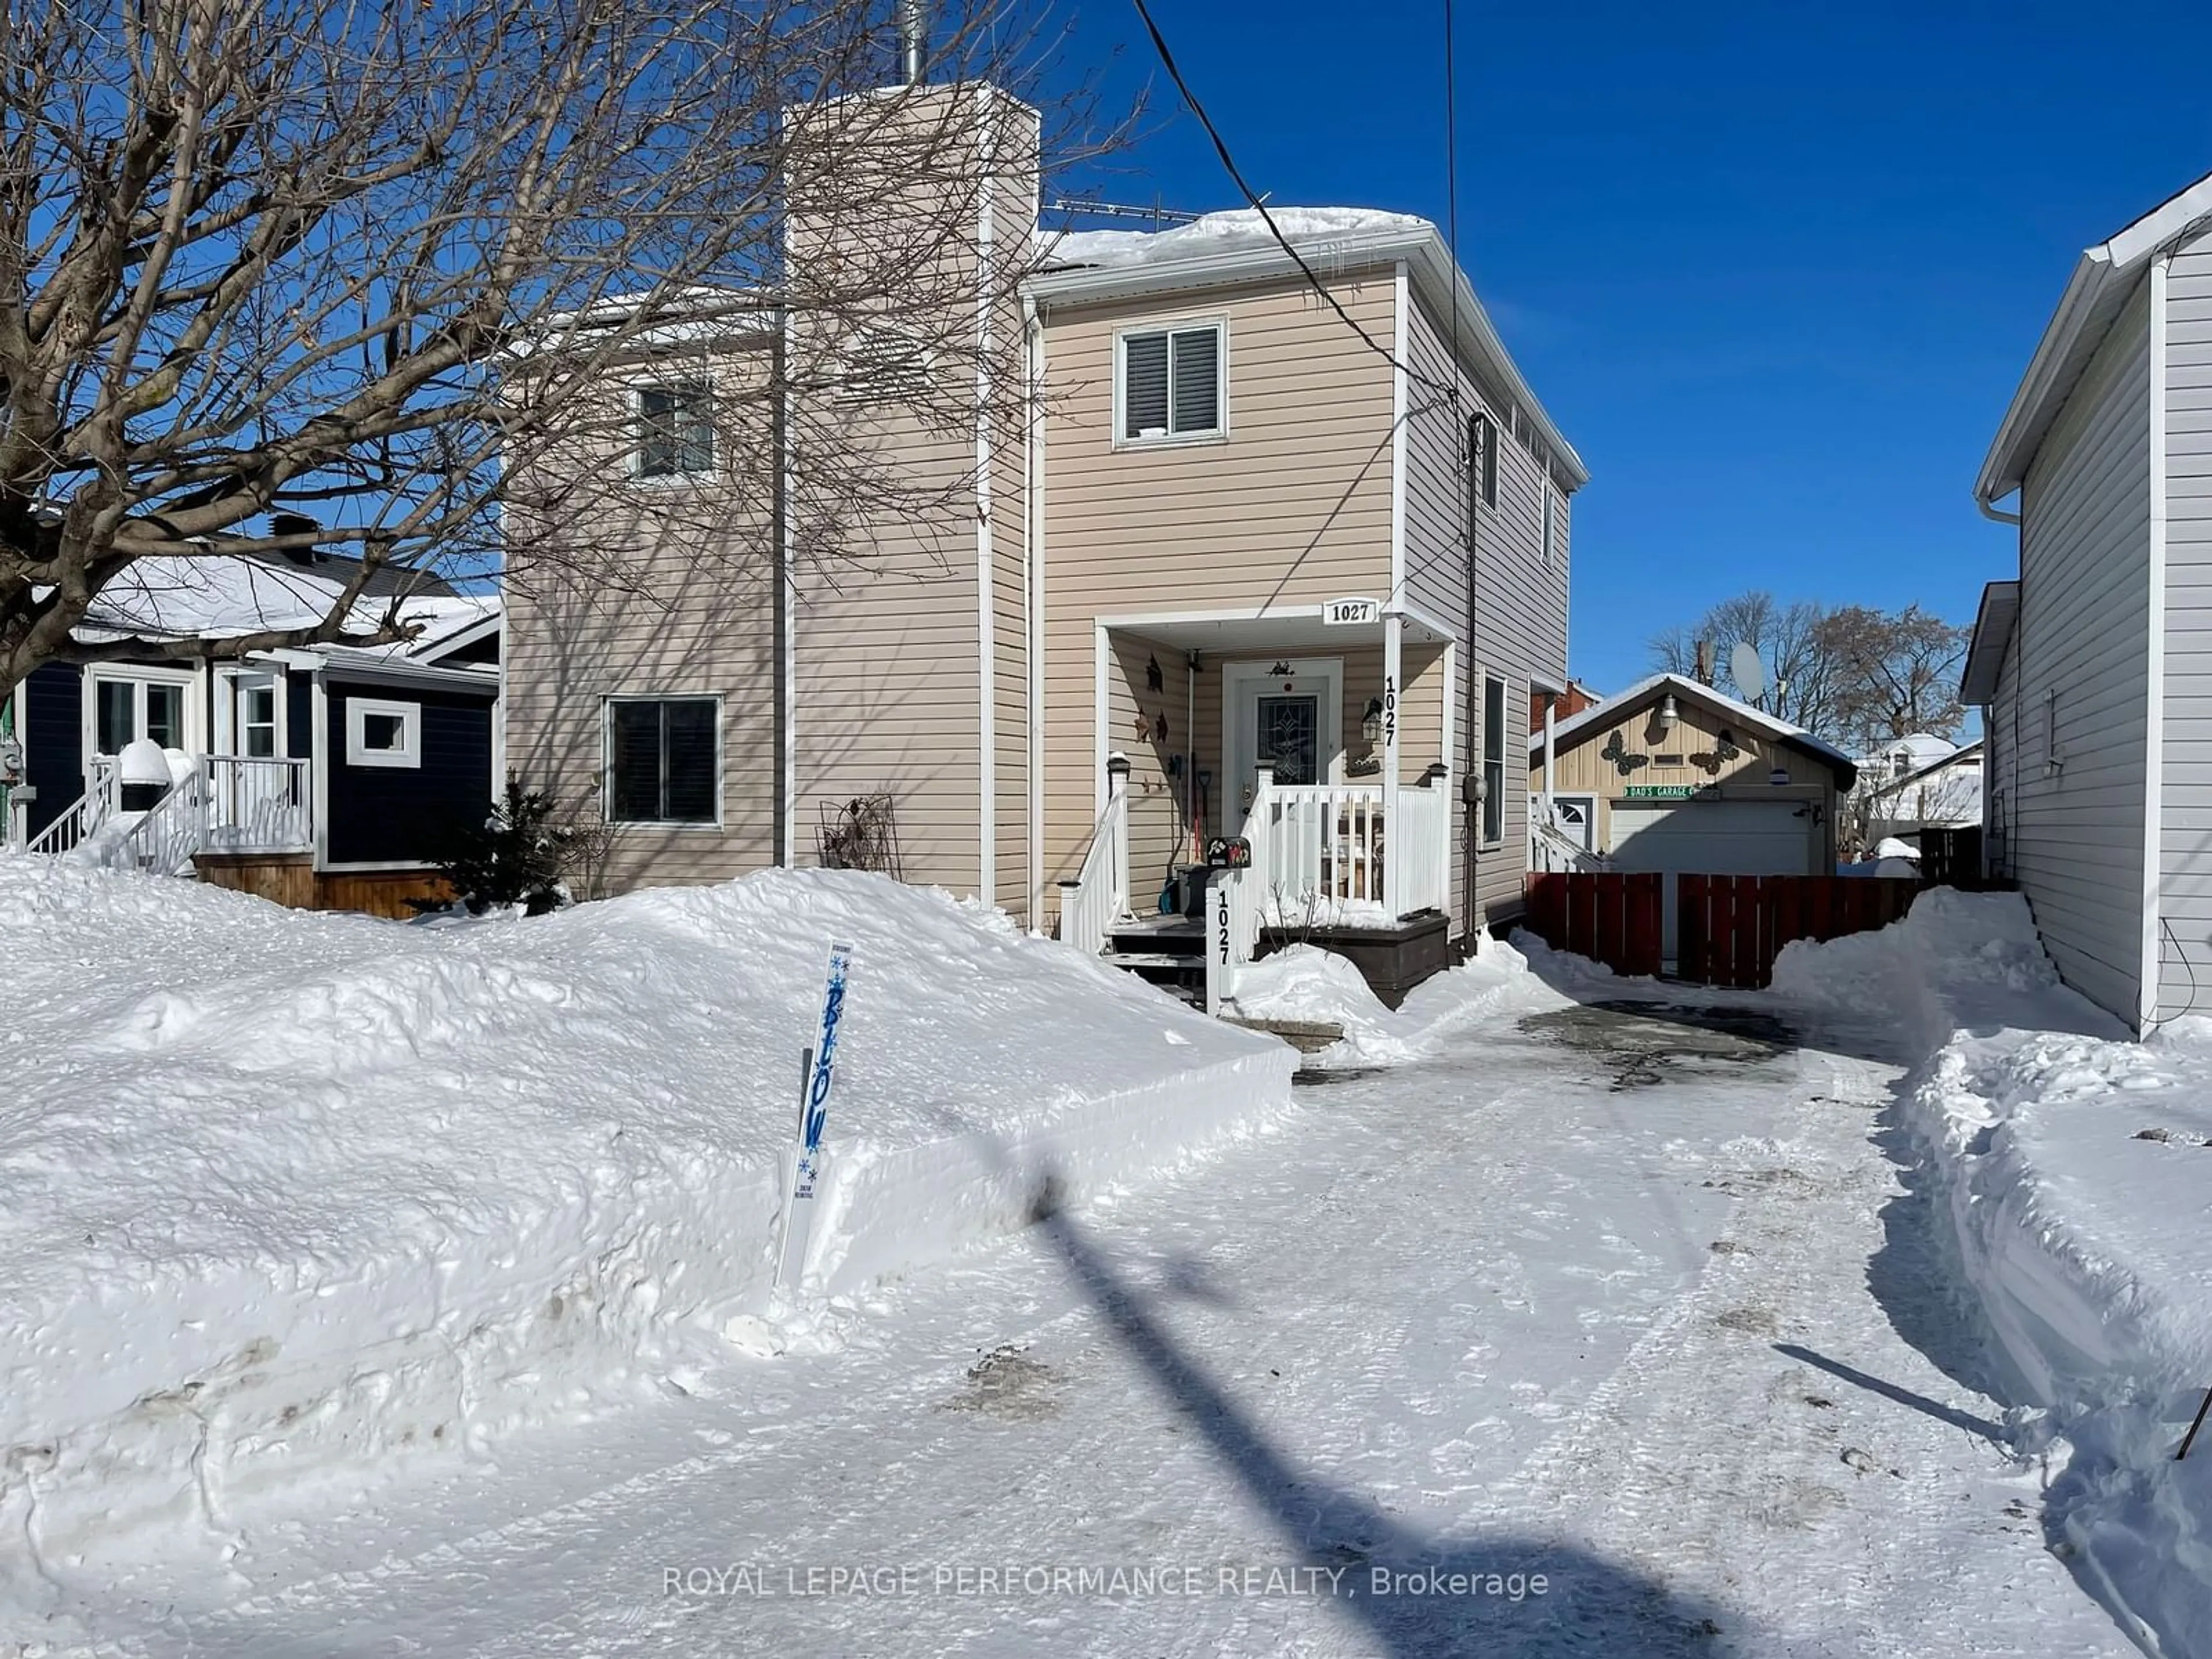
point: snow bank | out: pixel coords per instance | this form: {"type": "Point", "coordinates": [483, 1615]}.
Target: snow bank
{"type": "Point", "coordinates": [1305, 982]}
{"type": "Point", "coordinates": [282, 1193]}
{"type": "Point", "coordinates": [2074, 1170]}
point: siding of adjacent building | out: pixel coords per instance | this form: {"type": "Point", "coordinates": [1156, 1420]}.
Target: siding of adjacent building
{"type": "Point", "coordinates": [1291, 507]}
{"type": "Point", "coordinates": [2077, 840]}
{"type": "Point", "coordinates": [1519, 622]}
{"type": "Point", "coordinates": [2186, 818]}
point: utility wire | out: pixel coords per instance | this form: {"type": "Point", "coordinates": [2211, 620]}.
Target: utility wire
{"type": "Point", "coordinates": [1229, 163]}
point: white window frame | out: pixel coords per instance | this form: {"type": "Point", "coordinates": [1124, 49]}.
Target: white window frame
{"type": "Point", "coordinates": [1494, 791]}
{"type": "Point", "coordinates": [407, 757]}
{"type": "Point", "coordinates": [140, 678]}
{"type": "Point", "coordinates": [229, 740]}
{"type": "Point", "coordinates": [1219, 432]}
{"type": "Point", "coordinates": [607, 762]}
{"type": "Point", "coordinates": [662, 480]}
{"type": "Point", "coordinates": [1551, 547]}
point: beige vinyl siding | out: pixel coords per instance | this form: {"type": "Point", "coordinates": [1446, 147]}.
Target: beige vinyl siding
{"type": "Point", "coordinates": [1158, 825]}
{"type": "Point", "coordinates": [887, 675]}
{"type": "Point", "coordinates": [674, 597]}
{"type": "Point", "coordinates": [2077, 841]}
{"type": "Point", "coordinates": [1013, 131]}
{"type": "Point", "coordinates": [2186, 816]}
{"type": "Point", "coordinates": [1291, 507]}
{"type": "Point", "coordinates": [1519, 628]}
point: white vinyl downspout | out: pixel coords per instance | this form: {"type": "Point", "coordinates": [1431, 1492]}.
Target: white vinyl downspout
{"type": "Point", "coordinates": [1033, 597]}
{"type": "Point", "coordinates": [2150, 997]}
{"type": "Point", "coordinates": [986, 652]}
{"type": "Point", "coordinates": [1550, 760]}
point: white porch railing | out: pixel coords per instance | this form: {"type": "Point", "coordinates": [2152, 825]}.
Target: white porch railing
{"type": "Point", "coordinates": [85, 816]}
{"type": "Point", "coordinates": [1552, 849]}
{"type": "Point", "coordinates": [1323, 855]}
{"type": "Point", "coordinates": [253, 804]}
{"type": "Point", "coordinates": [1100, 892]}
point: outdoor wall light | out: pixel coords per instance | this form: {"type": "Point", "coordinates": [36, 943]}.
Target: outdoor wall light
{"type": "Point", "coordinates": [1370, 723]}
{"type": "Point", "coordinates": [1779, 776]}
{"type": "Point", "coordinates": [1668, 713]}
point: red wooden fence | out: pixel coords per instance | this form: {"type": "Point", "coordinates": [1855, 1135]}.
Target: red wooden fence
{"type": "Point", "coordinates": [1727, 929]}
{"type": "Point", "coordinates": [1610, 916]}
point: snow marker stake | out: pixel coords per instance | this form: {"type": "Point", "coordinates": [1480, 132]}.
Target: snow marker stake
{"type": "Point", "coordinates": [2190, 1439]}
{"type": "Point", "coordinates": [819, 1072]}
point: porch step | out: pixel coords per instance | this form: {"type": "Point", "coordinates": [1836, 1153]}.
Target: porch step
{"type": "Point", "coordinates": [1138, 960]}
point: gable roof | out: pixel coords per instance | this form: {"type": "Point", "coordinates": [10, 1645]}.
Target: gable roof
{"type": "Point", "coordinates": [2104, 277]}
{"type": "Point", "coordinates": [1622, 703]}
{"type": "Point", "coordinates": [1237, 247]}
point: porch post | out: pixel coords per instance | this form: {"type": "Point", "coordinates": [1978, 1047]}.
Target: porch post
{"type": "Point", "coordinates": [1394, 838]}
{"type": "Point", "coordinates": [1117, 787]}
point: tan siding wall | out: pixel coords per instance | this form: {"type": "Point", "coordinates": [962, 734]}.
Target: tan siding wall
{"type": "Point", "coordinates": [672, 595]}
{"type": "Point", "coordinates": [1520, 622]}
{"type": "Point", "coordinates": [1292, 507]}
{"type": "Point", "coordinates": [1583, 769]}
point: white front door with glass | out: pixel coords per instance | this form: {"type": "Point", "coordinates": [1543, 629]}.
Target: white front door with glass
{"type": "Point", "coordinates": [250, 718]}
{"type": "Point", "coordinates": [1286, 712]}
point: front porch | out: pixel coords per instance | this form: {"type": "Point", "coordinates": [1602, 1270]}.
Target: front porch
{"type": "Point", "coordinates": [1326, 745]}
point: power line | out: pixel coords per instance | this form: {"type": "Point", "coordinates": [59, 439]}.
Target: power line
{"type": "Point", "coordinates": [1229, 163]}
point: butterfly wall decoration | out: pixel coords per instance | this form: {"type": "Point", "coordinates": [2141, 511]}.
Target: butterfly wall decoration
{"type": "Point", "coordinates": [1624, 762]}
{"type": "Point", "coordinates": [1723, 750]}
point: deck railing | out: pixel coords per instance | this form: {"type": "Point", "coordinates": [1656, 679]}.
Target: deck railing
{"type": "Point", "coordinates": [253, 803]}
{"type": "Point", "coordinates": [1325, 855]}
{"type": "Point", "coordinates": [84, 816]}
{"type": "Point", "coordinates": [1100, 892]}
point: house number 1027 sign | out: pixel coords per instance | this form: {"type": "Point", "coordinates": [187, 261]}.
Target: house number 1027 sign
{"type": "Point", "coordinates": [1337, 612]}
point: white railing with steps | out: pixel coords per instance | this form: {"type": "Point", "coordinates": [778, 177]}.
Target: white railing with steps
{"type": "Point", "coordinates": [1090, 904]}
{"type": "Point", "coordinates": [87, 814]}
{"type": "Point", "coordinates": [163, 838]}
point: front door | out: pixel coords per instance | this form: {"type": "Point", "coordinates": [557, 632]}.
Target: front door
{"type": "Point", "coordinates": [253, 796]}
{"type": "Point", "coordinates": [1286, 711]}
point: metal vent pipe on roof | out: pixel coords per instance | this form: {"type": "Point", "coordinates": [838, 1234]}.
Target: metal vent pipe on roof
{"type": "Point", "coordinates": [913, 37]}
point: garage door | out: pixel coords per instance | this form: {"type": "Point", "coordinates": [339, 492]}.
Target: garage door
{"type": "Point", "coordinates": [1713, 838]}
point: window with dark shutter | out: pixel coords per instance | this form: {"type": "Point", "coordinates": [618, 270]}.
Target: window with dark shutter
{"type": "Point", "coordinates": [675, 431]}
{"type": "Point", "coordinates": [1171, 384]}
{"type": "Point", "coordinates": [662, 760]}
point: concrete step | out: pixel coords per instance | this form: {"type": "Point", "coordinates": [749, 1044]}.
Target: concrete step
{"type": "Point", "coordinates": [1137, 961]}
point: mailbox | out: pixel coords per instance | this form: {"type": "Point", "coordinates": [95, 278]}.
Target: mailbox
{"type": "Point", "coordinates": [1228, 853]}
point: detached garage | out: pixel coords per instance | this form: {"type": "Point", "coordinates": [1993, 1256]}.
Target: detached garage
{"type": "Point", "coordinates": [1671, 776]}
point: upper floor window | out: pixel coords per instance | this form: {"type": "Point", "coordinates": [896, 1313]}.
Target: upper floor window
{"type": "Point", "coordinates": [1170, 383]}
{"type": "Point", "coordinates": [1482, 458]}
{"type": "Point", "coordinates": [675, 431]}
{"type": "Point", "coordinates": [1551, 527]}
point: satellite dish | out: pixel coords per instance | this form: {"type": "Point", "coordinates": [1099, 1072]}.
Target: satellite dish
{"type": "Point", "coordinates": [1748, 671]}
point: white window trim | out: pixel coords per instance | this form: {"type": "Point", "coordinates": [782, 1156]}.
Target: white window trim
{"type": "Point", "coordinates": [186, 679]}
{"type": "Point", "coordinates": [227, 738]}
{"type": "Point", "coordinates": [1482, 754]}
{"type": "Point", "coordinates": [677, 826]}
{"type": "Point", "coordinates": [1219, 431]}
{"type": "Point", "coordinates": [408, 756]}
{"type": "Point", "coordinates": [636, 462]}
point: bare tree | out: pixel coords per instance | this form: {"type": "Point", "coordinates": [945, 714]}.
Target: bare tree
{"type": "Point", "coordinates": [1897, 673]}
{"type": "Point", "coordinates": [299, 273]}
{"type": "Point", "coordinates": [1800, 680]}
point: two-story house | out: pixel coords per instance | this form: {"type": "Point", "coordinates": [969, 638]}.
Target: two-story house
{"type": "Point", "coordinates": [1255, 543]}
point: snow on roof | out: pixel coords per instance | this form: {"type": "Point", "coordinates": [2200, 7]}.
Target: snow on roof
{"type": "Point", "coordinates": [1613, 708]}
{"type": "Point", "coordinates": [1923, 749]}
{"type": "Point", "coordinates": [178, 596]}
{"type": "Point", "coordinates": [1950, 757]}
{"type": "Point", "coordinates": [1308, 229]}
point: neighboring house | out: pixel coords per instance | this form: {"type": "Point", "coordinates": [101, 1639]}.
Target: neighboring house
{"type": "Point", "coordinates": [1235, 537]}
{"type": "Point", "coordinates": [1921, 782]}
{"type": "Point", "coordinates": [1558, 704]}
{"type": "Point", "coordinates": [1670, 775]}
{"type": "Point", "coordinates": [2093, 668]}
{"type": "Point", "coordinates": [325, 777]}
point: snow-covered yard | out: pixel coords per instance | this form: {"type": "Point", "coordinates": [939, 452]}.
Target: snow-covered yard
{"type": "Point", "coordinates": [1565, 1315]}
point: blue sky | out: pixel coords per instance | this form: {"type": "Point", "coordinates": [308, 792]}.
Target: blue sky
{"type": "Point", "coordinates": [1774, 269]}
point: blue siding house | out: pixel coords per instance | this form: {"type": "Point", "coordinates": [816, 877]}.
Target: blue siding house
{"type": "Point", "coordinates": [329, 776]}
